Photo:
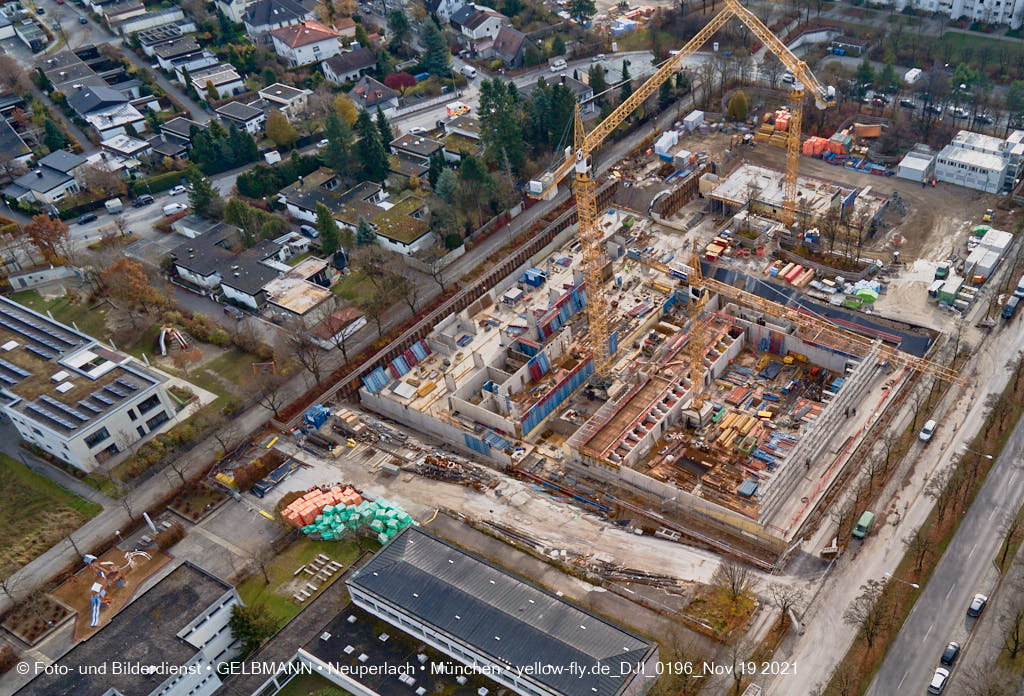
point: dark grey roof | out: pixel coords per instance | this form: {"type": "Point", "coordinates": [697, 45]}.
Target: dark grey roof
{"type": "Point", "coordinates": [42, 179]}
{"type": "Point", "coordinates": [93, 98]}
{"type": "Point", "coordinates": [237, 111]}
{"type": "Point", "coordinates": [269, 12]}
{"type": "Point", "coordinates": [62, 160]}
{"type": "Point", "coordinates": [144, 632]}
{"type": "Point", "coordinates": [210, 252]}
{"type": "Point", "coordinates": [167, 147]}
{"type": "Point", "coordinates": [463, 14]}
{"type": "Point", "coordinates": [508, 42]}
{"type": "Point", "coordinates": [499, 614]}
{"type": "Point", "coordinates": [416, 144]}
{"type": "Point", "coordinates": [10, 142]}
{"type": "Point", "coordinates": [251, 275]}
{"type": "Point", "coordinates": [180, 127]}
{"type": "Point", "coordinates": [358, 59]}
{"type": "Point", "coordinates": [368, 93]}
{"type": "Point", "coordinates": [178, 47]}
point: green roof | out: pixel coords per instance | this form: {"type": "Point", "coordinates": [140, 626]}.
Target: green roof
{"type": "Point", "coordinates": [398, 223]}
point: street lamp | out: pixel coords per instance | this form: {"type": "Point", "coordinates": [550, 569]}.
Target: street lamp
{"type": "Point", "coordinates": [912, 584]}
{"type": "Point", "coordinates": [965, 448]}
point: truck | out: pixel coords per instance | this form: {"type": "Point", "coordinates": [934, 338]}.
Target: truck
{"type": "Point", "coordinates": [863, 524]}
{"type": "Point", "coordinates": [1019, 290]}
{"type": "Point", "coordinates": [114, 206]}
{"type": "Point", "coordinates": [1010, 308]}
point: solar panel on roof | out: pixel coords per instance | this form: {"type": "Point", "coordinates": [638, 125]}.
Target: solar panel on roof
{"type": "Point", "coordinates": [129, 385]}
{"type": "Point", "coordinates": [52, 416]}
{"type": "Point", "coordinates": [15, 369]}
{"type": "Point", "coordinates": [45, 355]}
{"type": "Point", "coordinates": [102, 399]}
{"type": "Point", "coordinates": [7, 380]}
{"type": "Point", "coordinates": [115, 391]}
{"type": "Point", "coordinates": [89, 407]}
{"type": "Point", "coordinates": [50, 401]}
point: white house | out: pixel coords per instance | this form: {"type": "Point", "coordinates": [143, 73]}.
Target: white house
{"type": "Point", "coordinates": [245, 117]}
{"type": "Point", "coordinates": [444, 9]}
{"type": "Point", "coordinates": [349, 66]}
{"type": "Point", "coordinates": [52, 180]}
{"type": "Point", "coordinates": [290, 101]}
{"type": "Point", "coordinates": [306, 42]}
{"type": "Point", "coordinates": [477, 22]}
{"type": "Point", "coordinates": [223, 77]}
{"type": "Point", "coordinates": [233, 9]}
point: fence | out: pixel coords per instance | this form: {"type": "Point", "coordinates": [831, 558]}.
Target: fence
{"type": "Point", "coordinates": [348, 387]}
{"type": "Point", "coordinates": [425, 103]}
{"type": "Point", "coordinates": [436, 264]}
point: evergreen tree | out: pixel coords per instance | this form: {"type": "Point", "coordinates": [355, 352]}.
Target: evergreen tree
{"type": "Point", "coordinates": [400, 29]}
{"type": "Point", "coordinates": [361, 36]}
{"type": "Point", "coordinates": [202, 197]}
{"type": "Point", "coordinates": [372, 155]}
{"type": "Point", "coordinates": [251, 624]}
{"type": "Point", "coordinates": [581, 10]}
{"type": "Point", "coordinates": [53, 136]}
{"type": "Point", "coordinates": [627, 83]}
{"type": "Point", "coordinates": [738, 107]}
{"type": "Point", "coordinates": [665, 94]}
{"type": "Point", "coordinates": [327, 226]}
{"type": "Point", "coordinates": [557, 46]}
{"type": "Point", "coordinates": [501, 134]}
{"type": "Point", "coordinates": [269, 76]}
{"type": "Point", "coordinates": [436, 58]}
{"type": "Point", "coordinates": [337, 155]}
{"type": "Point", "coordinates": [202, 151]}
{"type": "Point", "coordinates": [447, 185]}
{"type": "Point", "coordinates": [130, 131]}
{"type": "Point", "coordinates": [243, 147]}
{"type": "Point", "coordinates": [436, 167]}
{"type": "Point", "coordinates": [865, 73]}
{"type": "Point", "coordinates": [364, 233]}
{"type": "Point", "coordinates": [386, 135]}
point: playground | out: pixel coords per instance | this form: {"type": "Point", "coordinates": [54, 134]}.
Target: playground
{"type": "Point", "coordinates": [110, 582]}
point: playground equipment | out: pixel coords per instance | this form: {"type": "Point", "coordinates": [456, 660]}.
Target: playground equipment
{"type": "Point", "coordinates": [110, 576]}
{"type": "Point", "coordinates": [175, 335]}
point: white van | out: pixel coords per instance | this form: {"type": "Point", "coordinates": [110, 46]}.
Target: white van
{"type": "Point", "coordinates": [172, 208]}
{"type": "Point", "coordinates": [469, 71]}
{"type": "Point", "coordinates": [558, 64]}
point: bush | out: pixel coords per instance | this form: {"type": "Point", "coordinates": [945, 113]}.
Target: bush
{"type": "Point", "coordinates": [157, 183]}
{"type": "Point", "coordinates": [250, 473]}
{"type": "Point", "coordinates": [8, 658]}
{"type": "Point", "coordinates": [169, 537]}
{"type": "Point", "coordinates": [220, 337]}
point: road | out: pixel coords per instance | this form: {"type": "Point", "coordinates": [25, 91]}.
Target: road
{"type": "Point", "coordinates": [940, 612]}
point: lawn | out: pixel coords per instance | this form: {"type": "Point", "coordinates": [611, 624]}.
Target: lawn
{"type": "Point", "coordinates": [306, 684]}
{"type": "Point", "coordinates": [284, 583]}
{"type": "Point", "coordinates": [92, 322]}
{"type": "Point", "coordinates": [294, 261]}
{"type": "Point", "coordinates": [354, 287]}
{"type": "Point", "coordinates": [36, 513]}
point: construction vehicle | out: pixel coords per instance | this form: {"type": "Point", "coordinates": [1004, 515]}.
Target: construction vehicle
{"type": "Point", "coordinates": [580, 159]}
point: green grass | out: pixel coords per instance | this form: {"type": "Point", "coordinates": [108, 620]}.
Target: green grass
{"type": "Point", "coordinates": [92, 322]}
{"type": "Point", "coordinates": [145, 343]}
{"type": "Point", "coordinates": [355, 287]}
{"type": "Point", "coordinates": [276, 595]}
{"type": "Point", "coordinates": [295, 260]}
{"type": "Point", "coordinates": [36, 512]}
{"type": "Point", "coordinates": [306, 684]}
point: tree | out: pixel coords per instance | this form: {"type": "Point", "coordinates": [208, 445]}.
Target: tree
{"type": "Point", "coordinates": [280, 130]}
{"type": "Point", "coordinates": [1012, 623]}
{"type": "Point", "coordinates": [346, 110]}
{"type": "Point", "coordinates": [408, 291]}
{"type": "Point", "coordinates": [374, 305]}
{"type": "Point", "coordinates": [733, 577]}
{"type": "Point", "coordinates": [447, 184]}
{"type": "Point", "coordinates": [500, 134]}
{"type": "Point", "coordinates": [868, 612]}
{"type": "Point", "coordinates": [307, 353]}
{"type": "Point", "coordinates": [437, 57]}
{"type": "Point", "coordinates": [101, 181]}
{"type": "Point", "coordinates": [597, 81]}
{"type": "Point", "coordinates": [251, 624]}
{"type": "Point", "coordinates": [918, 546]}
{"type": "Point", "coordinates": [558, 44]}
{"type": "Point", "coordinates": [665, 94]}
{"type": "Point", "coordinates": [364, 233]}
{"type": "Point", "coordinates": [50, 236]}
{"type": "Point", "coordinates": [372, 155]}
{"type": "Point", "coordinates": [386, 136]}
{"type": "Point", "coordinates": [400, 29]}
{"type": "Point", "coordinates": [627, 83]}
{"type": "Point", "coordinates": [581, 10]}
{"type": "Point", "coordinates": [337, 155]}
{"type": "Point", "coordinates": [126, 282]}
{"type": "Point", "coordinates": [202, 196]}
{"type": "Point", "coordinates": [400, 81]}
{"type": "Point", "coordinates": [784, 597]}
{"type": "Point", "coordinates": [327, 226]}
{"type": "Point", "coordinates": [436, 167]}
{"type": "Point", "coordinates": [53, 136]}
{"type": "Point", "coordinates": [270, 393]}
{"type": "Point", "coordinates": [13, 77]}
{"type": "Point", "coordinates": [738, 107]}
{"type": "Point", "coordinates": [888, 77]}
{"type": "Point", "coordinates": [989, 680]}
{"type": "Point", "coordinates": [865, 74]}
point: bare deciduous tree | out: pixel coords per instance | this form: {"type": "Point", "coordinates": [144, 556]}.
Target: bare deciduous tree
{"type": "Point", "coordinates": [308, 354]}
{"type": "Point", "coordinates": [270, 393]}
{"type": "Point", "coordinates": [733, 577]}
{"type": "Point", "coordinates": [784, 597]}
{"type": "Point", "coordinates": [918, 546]}
{"type": "Point", "coordinates": [867, 612]}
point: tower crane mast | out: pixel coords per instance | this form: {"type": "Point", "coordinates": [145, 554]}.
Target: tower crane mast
{"type": "Point", "coordinates": [581, 160]}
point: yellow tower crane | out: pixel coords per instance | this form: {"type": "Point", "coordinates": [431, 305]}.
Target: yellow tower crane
{"type": "Point", "coordinates": [585, 143]}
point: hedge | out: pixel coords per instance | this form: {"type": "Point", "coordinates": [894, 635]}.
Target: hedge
{"type": "Point", "coordinates": [158, 183]}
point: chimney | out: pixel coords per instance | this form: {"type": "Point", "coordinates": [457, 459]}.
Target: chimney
{"type": "Point", "coordinates": [39, 173]}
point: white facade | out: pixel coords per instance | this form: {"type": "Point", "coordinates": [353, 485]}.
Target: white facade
{"type": "Point", "coordinates": [234, 9]}
{"type": "Point", "coordinates": [982, 162]}
{"type": "Point", "coordinates": [1009, 12]}
{"type": "Point", "coordinates": [487, 29]}
{"type": "Point", "coordinates": [916, 167]}
{"type": "Point", "coordinates": [305, 54]}
{"type": "Point", "coordinates": [423, 242]}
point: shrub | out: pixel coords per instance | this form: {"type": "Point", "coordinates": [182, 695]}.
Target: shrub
{"type": "Point", "coordinates": [169, 537]}
{"type": "Point", "coordinates": [220, 337]}
{"type": "Point", "coordinates": [8, 658]}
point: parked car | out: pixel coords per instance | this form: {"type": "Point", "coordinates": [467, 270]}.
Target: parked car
{"type": "Point", "coordinates": [1010, 308]}
{"type": "Point", "coordinates": [984, 118]}
{"type": "Point", "coordinates": [987, 217]}
{"type": "Point", "coordinates": [322, 144]}
{"type": "Point", "coordinates": [934, 109]}
{"type": "Point", "coordinates": [939, 679]}
{"type": "Point", "coordinates": [927, 431]}
{"type": "Point", "coordinates": [417, 130]}
{"type": "Point", "coordinates": [950, 654]}
{"type": "Point", "coordinates": [87, 218]}
{"type": "Point", "coordinates": [977, 605]}
{"type": "Point", "coordinates": [598, 58]}
{"type": "Point", "coordinates": [40, 11]}
{"type": "Point", "coordinates": [907, 104]}
{"type": "Point", "coordinates": [172, 208]}
{"type": "Point", "coordinates": [177, 190]}
{"type": "Point", "coordinates": [142, 201]}
{"type": "Point", "coordinates": [308, 231]}
{"type": "Point", "coordinates": [83, 20]}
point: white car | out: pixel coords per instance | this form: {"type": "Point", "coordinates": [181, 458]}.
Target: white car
{"type": "Point", "coordinates": [417, 130]}
{"type": "Point", "coordinates": [927, 431]}
{"type": "Point", "coordinates": [939, 679]}
{"type": "Point", "coordinates": [322, 144]}
{"type": "Point", "coordinates": [177, 190]}
{"type": "Point", "coordinates": [172, 208]}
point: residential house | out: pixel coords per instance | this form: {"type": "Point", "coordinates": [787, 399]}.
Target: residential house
{"type": "Point", "coordinates": [234, 9]}
{"type": "Point", "coordinates": [244, 116]}
{"type": "Point", "coordinates": [180, 129]}
{"type": "Point", "coordinates": [183, 66]}
{"type": "Point", "coordinates": [166, 146]}
{"type": "Point", "coordinates": [6, 28]}
{"type": "Point", "coordinates": [349, 66]}
{"type": "Point", "coordinates": [345, 321]}
{"type": "Point", "coordinates": [461, 137]}
{"type": "Point", "coordinates": [223, 78]}
{"type": "Point", "coordinates": [167, 53]}
{"type": "Point", "coordinates": [52, 179]}
{"type": "Point", "coordinates": [320, 186]}
{"type": "Point", "coordinates": [121, 10]}
{"type": "Point", "coordinates": [106, 109]}
{"type": "Point", "coordinates": [509, 46]}
{"type": "Point", "coordinates": [265, 16]}
{"type": "Point", "coordinates": [31, 34]}
{"type": "Point", "coordinates": [583, 92]}
{"type": "Point", "coordinates": [150, 39]}
{"type": "Point", "coordinates": [305, 43]}
{"type": "Point", "coordinates": [444, 9]}
{"type": "Point", "coordinates": [346, 27]}
{"type": "Point", "coordinates": [13, 147]}
{"type": "Point", "coordinates": [403, 227]}
{"type": "Point", "coordinates": [478, 23]}
{"type": "Point", "coordinates": [288, 100]}
{"type": "Point", "coordinates": [369, 94]}
{"type": "Point", "coordinates": [301, 295]}
{"type": "Point", "coordinates": [126, 147]}
{"type": "Point", "coordinates": [152, 19]}
{"type": "Point", "coordinates": [411, 154]}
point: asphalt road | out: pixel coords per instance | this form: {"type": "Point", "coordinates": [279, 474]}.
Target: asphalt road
{"type": "Point", "coordinates": [940, 612]}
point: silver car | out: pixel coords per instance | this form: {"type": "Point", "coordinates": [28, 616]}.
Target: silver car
{"type": "Point", "coordinates": [939, 679]}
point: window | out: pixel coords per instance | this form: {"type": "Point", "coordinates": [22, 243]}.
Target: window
{"type": "Point", "coordinates": [131, 414]}
{"type": "Point", "coordinates": [140, 430]}
{"type": "Point", "coordinates": [157, 420]}
{"type": "Point", "coordinates": [149, 404]}
{"type": "Point", "coordinates": [97, 437]}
